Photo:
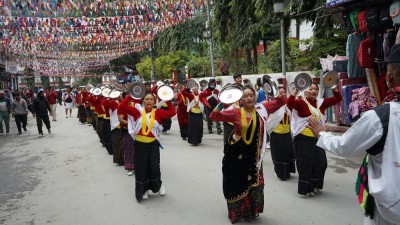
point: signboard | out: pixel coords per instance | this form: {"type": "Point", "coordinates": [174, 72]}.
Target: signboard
{"type": "Point", "coordinates": [11, 67]}
{"type": "Point", "coordinates": [333, 3]}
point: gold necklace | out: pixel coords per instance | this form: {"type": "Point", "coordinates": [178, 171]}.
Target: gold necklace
{"type": "Point", "coordinates": [245, 125]}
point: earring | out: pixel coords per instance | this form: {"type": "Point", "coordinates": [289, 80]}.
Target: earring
{"type": "Point", "coordinates": [388, 84]}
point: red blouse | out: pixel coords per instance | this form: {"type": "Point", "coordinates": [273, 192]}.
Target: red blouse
{"type": "Point", "coordinates": [234, 115]}
{"type": "Point", "coordinates": [205, 93]}
{"type": "Point", "coordinates": [106, 106]}
{"type": "Point", "coordinates": [302, 108]}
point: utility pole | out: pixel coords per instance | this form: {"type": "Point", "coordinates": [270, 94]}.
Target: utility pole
{"type": "Point", "coordinates": [279, 9]}
{"type": "Point", "coordinates": [152, 60]}
{"type": "Point", "coordinates": [210, 38]}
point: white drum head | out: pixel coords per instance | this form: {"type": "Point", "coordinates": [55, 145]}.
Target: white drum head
{"type": "Point", "coordinates": [230, 95]}
{"type": "Point", "coordinates": [165, 93]}
{"type": "Point", "coordinates": [97, 91]}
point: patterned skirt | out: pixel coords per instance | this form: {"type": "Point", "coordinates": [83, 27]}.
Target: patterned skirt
{"type": "Point", "coordinates": [82, 114]}
{"type": "Point", "coordinates": [118, 153]}
{"type": "Point", "coordinates": [129, 150]}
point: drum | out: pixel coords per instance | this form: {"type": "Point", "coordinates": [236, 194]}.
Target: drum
{"type": "Point", "coordinates": [330, 79]}
{"type": "Point", "coordinates": [97, 91]}
{"type": "Point", "coordinates": [106, 92]}
{"type": "Point", "coordinates": [302, 81]}
{"type": "Point", "coordinates": [271, 88]}
{"type": "Point", "coordinates": [230, 94]}
{"type": "Point", "coordinates": [191, 83]}
{"type": "Point", "coordinates": [165, 92]}
{"type": "Point", "coordinates": [203, 84]}
{"type": "Point", "coordinates": [114, 94]}
{"type": "Point", "coordinates": [137, 90]}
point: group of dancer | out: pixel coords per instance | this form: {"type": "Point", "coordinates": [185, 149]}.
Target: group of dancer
{"type": "Point", "coordinates": [130, 130]}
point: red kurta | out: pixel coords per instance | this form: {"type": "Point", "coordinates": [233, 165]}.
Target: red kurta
{"type": "Point", "coordinates": [183, 116]}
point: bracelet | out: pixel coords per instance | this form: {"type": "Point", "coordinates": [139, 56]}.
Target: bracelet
{"type": "Point", "coordinates": [220, 106]}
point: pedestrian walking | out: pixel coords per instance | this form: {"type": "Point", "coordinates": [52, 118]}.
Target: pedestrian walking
{"type": "Point", "coordinates": [40, 110]}
{"type": "Point", "coordinates": [5, 110]}
{"type": "Point", "coordinates": [19, 110]}
{"type": "Point", "coordinates": [243, 180]}
{"type": "Point", "coordinates": [209, 97]}
{"type": "Point", "coordinates": [51, 96]}
{"type": "Point", "coordinates": [68, 99]}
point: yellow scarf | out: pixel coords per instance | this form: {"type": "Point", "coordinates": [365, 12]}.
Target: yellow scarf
{"type": "Point", "coordinates": [184, 100]}
{"type": "Point", "coordinates": [310, 107]}
{"type": "Point", "coordinates": [245, 125]}
{"type": "Point", "coordinates": [144, 122]}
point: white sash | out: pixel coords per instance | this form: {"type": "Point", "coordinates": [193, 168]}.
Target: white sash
{"type": "Point", "coordinates": [193, 103]}
{"type": "Point", "coordinates": [114, 121]}
{"type": "Point", "coordinates": [135, 126]}
{"type": "Point", "coordinates": [298, 124]}
{"type": "Point", "coordinates": [263, 113]}
{"type": "Point", "coordinates": [275, 118]}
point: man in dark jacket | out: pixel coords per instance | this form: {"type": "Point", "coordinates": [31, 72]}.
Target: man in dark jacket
{"type": "Point", "coordinates": [40, 109]}
{"type": "Point", "coordinates": [5, 110]}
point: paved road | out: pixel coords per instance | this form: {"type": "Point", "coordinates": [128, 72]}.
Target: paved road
{"type": "Point", "coordinates": [67, 178]}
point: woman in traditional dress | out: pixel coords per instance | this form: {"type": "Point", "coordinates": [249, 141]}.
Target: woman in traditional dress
{"type": "Point", "coordinates": [124, 109]}
{"type": "Point", "coordinates": [183, 117]}
{"type": "Point", "coordinates": [195, 109]}
{"type": "Point", "coordinates": [243, 181]}
{"type": "Point", "coordinates": [80, 97]}
{"type": "Point", "coordinates": [145, 127]}
{"type": "Point", "coordinates": [310, 160]}
{"type": "Point", "coordinates": [106, 129]}
{"type": "Point", "coordinates": [116, 131]}
{"type": "Point", "coordinates": [282, 152]}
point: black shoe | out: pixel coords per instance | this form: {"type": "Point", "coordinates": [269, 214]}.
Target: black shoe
{"type": "Point", "coordinates": [19, 133]}
{"type": "Point", "coordinates": [24, 128]}
{"type": "Point", "coordinates": [219, 131]}
{"type": "Point", "coordinates": [210, 131]}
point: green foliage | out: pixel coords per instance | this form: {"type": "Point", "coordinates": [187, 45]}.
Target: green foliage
{"type": "Point", "coordinates": [304, 55]}
{"type": "Point", "coordinates": [61, 83]}
{"type": "Point", "coordinates": [45, 81]}
{"type": "Point", "coordinates": [144, 68]}
{"type": "Point", "coordinates": [199, 66]}
{"type": "Point", "coordinates": [164, 65]}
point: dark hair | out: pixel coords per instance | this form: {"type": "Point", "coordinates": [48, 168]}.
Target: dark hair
{"type": "Point", "coordinates": [248, 86]}
{"type": "Point", "coordinates": [149, 93]}
{"type": "Point", "coordinates": [315, 85]}
{"type": "Point", "coordinates": [237, 74]}
{"type": "Point", "coordinates": [17, 94]}
{"type": "Point", "coordinates": [259, 82]}
{"type": "Point", "coordinates": [281, 87]}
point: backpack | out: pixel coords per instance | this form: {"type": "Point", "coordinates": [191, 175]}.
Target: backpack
{"type": "Point", "coordinates": [362, 20]}
{"type": "Point", "coordinates": [395, 12]}
{"type": "Point", "coordinates": [69, 98]}
{"type": "Point", "coordinates": [353, 18]}
{"type": "Point", "coordinates": [347, 22]}
{"type": "Point", "coordinates": [373, 19]}
{"type": "Point", "coordinates": [384, 16]}
{"type": "Point", "coordinates": [366, 53]}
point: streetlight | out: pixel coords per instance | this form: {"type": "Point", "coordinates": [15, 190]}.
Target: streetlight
{"type": "Point", "coordinates": [279, 10]}
{"type": "Point", "coordinates": [152, 60]}
{"type": "Point", "coordinates": [209, 29]}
